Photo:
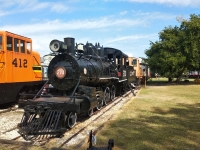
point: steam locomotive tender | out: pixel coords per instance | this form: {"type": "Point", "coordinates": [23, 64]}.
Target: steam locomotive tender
{"type": "Point", "coordinates": [82, 78]}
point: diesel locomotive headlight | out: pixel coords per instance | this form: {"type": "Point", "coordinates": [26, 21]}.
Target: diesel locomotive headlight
{"type": "Point", "coordinates": [60, 72]}
{"type": "Point", "coordinates": [57, 46]}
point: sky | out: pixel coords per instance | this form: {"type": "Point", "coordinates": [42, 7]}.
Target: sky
{"type": "Point", "coordinates": [127, 25]}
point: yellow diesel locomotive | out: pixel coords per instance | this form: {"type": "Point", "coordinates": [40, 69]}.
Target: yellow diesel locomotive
{"type": "Point", "coordinates": [20, 69]}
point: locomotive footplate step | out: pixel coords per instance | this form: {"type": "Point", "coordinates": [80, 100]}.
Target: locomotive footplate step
{"type": "Point", "coordinates": [41, 123]}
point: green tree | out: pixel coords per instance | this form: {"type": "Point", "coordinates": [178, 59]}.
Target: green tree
{"type": "Point", "coordinates": [177, 50]}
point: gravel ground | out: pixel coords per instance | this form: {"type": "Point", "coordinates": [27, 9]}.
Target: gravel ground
{"type": "Point", "coordinates": [10, 119]}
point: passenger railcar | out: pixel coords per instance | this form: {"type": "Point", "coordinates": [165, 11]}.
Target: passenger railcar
{"type": "Point", "coordinates": [193, 74]}
{"type": "Point", "coordinates": [82, 78]}
{"type": "Point", "coordinates": [20, 70]}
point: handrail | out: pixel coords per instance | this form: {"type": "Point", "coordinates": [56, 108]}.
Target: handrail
{"type": "Point", "coordinates": [72, 95]}
{"type": "Point", "coordinates": [40, 90]}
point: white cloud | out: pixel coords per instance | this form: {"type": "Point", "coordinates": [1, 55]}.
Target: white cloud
{"type": "Point", "coordinates": [123, 13]}
{"type": "Point", "coordinates": [159, 16]}
{"type": "Point", "coordinates": [131, 38]}
{"type": "Point", "coordinates": [59, 8]}
{"type": "Point", "coordinates": [57, 25]}
{"type": "Point", "coordinates": [16, 6]}
{"type": "Point", "coordinates": [185, 3]}
{"type": "Point", "coordinates": [42, 32]}
{"type": "Point", "coordinates": [3, 13]}
{"type": "Point", "coordinates": [21, 3]}
{"type": "Point", "coordinates": [34, 6]}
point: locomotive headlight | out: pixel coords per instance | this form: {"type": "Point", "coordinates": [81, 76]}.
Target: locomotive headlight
{"type": "Point", "coordinates": [57, 46]}
{"type": "Point", "coordinates": [60, 72]}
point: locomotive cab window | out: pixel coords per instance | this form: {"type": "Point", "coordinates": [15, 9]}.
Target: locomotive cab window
{"type": "Point", "coordinates": [1, 46]}
{"type": "Point", "coordinates": [9, 43]}
{"type": "Point", "coordinates": [127, 62]}
{"type": "Point", "coordinates": [16, 45]}
{"type": "Point", "coordinates": [28, 47]}
{"type": "Point", "coordinates": [110, 56]}
{"type": "Point", "coordinates": [22, 46]}
{"type": "Point", "coordinates": [134, 62]}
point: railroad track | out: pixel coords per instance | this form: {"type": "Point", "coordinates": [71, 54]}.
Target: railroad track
{"type": "Point", "coordinates": [73, 137]}
{"type": "Point", "coordinates": [76, 137]}
{"type": "Point", "coordinates": [11, 136]}
{"type": "Point", "coordinates": [9, 117]}
{"type": "Point", "coordinates": [7, 108]}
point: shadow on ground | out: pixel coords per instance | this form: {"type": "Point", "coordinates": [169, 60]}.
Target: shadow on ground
{"type": "Point", "coordinates": [166, 83]}
{"type": "Point", "coordinates": [177, 128]}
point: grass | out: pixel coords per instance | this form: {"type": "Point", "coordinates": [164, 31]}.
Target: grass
{"type": "Point", "coordinates": [163, 79]}
{"type": "Point", "coordinates": [159, 117]}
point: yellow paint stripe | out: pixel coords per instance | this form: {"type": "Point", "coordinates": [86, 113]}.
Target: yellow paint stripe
{"type": "Point", "coordinates": [37, 70]}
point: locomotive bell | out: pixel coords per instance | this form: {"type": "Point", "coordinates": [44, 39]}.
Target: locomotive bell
{"type": "Point", "coordinates": [80, 48]}
{"type": "Point", "coordinates": [57, 46]}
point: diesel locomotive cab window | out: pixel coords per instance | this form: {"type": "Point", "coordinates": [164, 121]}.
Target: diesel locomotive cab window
{"type": "Point", "coordinates": [134, 62]}
{"type": "Point", "coordinates": [127, 62]}
{"type": "Point", "coordinates": [22, 46]}
{"type": "Point", "coordinates": [9, 43]}
{"type": "Point", "coordinates": [1, 42]}
{"type": "Point", "coordinates": [28, 47]}
{"type": "Point", "coordinates": [16, 45]}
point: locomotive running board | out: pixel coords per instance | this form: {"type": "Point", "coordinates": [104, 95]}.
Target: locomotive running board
{"type": "Point", "coordinates": [33, 124]}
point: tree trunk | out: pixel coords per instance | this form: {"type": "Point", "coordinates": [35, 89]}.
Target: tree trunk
{"type": "Point", "coordinates": [169, 79]}
{"type": "Point", "coordinates": [178, 79]}
{"type": "Point", "coordinates": [180, 74]}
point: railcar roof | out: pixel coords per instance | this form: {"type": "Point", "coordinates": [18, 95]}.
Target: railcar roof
{"type": "Point", "coordinates": [14, 34]}
{"type": "Point", "coordinates": [116, 52]}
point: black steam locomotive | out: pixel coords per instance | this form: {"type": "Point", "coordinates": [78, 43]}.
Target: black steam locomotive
{"type": "Point", "coordinates": [81, 78]}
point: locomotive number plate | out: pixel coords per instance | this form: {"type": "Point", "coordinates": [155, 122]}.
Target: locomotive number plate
{"type": "Point", "coordinates": [60, 72]}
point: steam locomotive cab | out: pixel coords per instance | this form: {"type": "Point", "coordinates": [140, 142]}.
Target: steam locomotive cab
{"type": "Point", "coordinates": [85, 76]}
